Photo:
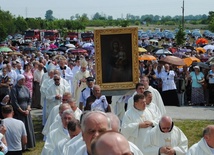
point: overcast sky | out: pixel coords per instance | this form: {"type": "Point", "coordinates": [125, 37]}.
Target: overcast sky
{"type": "Point", "coordinates": [116, 8]}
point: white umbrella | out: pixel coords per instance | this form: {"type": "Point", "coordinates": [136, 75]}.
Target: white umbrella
{"type": "Point", "coordinates": [163, 52]}
{"type": "Point", "coordinates": [207, 47]}
{"type": "Point", "coordinates": [87, 45]}
{"type": "Point", "coordinates": [70, 45]}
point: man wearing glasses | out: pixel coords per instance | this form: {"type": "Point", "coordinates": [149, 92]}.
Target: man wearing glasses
{"type": "Point", "coordinates": [54, 93]}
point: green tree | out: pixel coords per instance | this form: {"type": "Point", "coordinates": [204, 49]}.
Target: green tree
{"type": "Point", "coordinates": [3, 32]}
{"type": "Point", "coordinates": [180, 36]}
{"type": "Point", "coordinates": [49, 15]}
{"type": "Point", "coordinates": [7, 20]}
{"type": "Point", "coordinates": [124, 23]}
{"type": "Point", "coordinates": [211, 20]}
{"type": "Point", "coordinates": [21, 24]}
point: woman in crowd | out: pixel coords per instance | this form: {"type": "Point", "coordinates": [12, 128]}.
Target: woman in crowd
{"type": "Point", "coordinates": [150, 73]}
{"type": "Point", "coordinates": [197, 93]}
{"type": "Point", "coordinates": [28, 77]}
{"type": "Point", "coordinates": [21, 102]}
{"type": "Point", "coordinates": [4, 84]}
{"type": "Point", "coordinates": [4, 102]}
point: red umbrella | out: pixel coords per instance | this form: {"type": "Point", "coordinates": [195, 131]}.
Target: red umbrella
{"type": "Point", "coordinates": [201, 41]}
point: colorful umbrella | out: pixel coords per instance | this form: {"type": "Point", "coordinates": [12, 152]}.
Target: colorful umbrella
{"type": "Point", "coordinates": [207, 47]}
{"type": "Point", "coordinates": [163, 52]}
{"type": "Point", "coordinates": [77, 50]}
{"type": "Point", "coordinates": [201, 41]}
{"type": "Point", "coordinates": [173, 60]}
{"type": "Point", "coordinates": [146, 57]}
{"type": "Point", "coordinates": [70, 45]}
{"type": "Point", "coordinates": [141, 49]}
{"type": "Point", "coordinates": [188, 61]}
{"type": "Point", "coordinates": [200, 50]}
{"type": "Point", "coordinates": [14, 53]}
{"type": "Point", "coordinates": [5, 49]}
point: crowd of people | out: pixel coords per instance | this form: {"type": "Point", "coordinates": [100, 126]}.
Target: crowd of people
{"type": "Point", "coordinates": [78, 119]}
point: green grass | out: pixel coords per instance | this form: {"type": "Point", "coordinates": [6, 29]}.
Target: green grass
{"type": "Point", "coordinates": [191, 128]}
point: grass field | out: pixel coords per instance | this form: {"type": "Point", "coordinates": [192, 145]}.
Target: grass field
{"type": "Point", "coordinates": [191, 128]}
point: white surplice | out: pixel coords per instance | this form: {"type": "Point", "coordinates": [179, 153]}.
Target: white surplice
{"type": "Point", "coordinates": [51, 93]}
{"type": "Point", "coordinates": [134, 149]}
{"type": "Point", "coordinates": [156, 139]}
{"type": "Point", "coordinates": [157, 99]}
{"type": "Point", "coordinates": [79, 86]}
{"type": "Point", "coordinates": [67, 74]}
{"type": "Point", "coordinates": [200, 148]}
{"type": "Point", "coordinates": [71, 142]}
{"type": "Point", "coordinates": [59, 147]}
{"type": "Point", "coordinates": [153, 107]}
{"type": "Point", "coordinates": [75, 147]}
{"type": "Point", "coordinates": [130, 125]}
{"type": "Point", "coordinates": [53, 138]}
{"type": "Point", "coordinates": [54, 112]}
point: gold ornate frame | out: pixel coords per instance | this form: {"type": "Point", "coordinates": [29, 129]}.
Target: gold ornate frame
{"type": "Point", "coordinates": [104, 39]}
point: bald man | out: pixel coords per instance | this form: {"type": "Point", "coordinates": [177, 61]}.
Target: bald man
{"type": "Point", "coordinates": [206, 145]}
{"type": "Point", "coordinates": [110, 143]}
{"type": "Point", "coordinates": [165, 139]}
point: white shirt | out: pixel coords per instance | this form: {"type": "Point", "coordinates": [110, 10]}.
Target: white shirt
{"type": "Point", "coordinates": [168, 82]}
{"type": "Point", "coordinates": [37, 76]}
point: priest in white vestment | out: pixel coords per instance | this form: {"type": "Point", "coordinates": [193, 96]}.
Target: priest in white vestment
{"type": "Point", "coordinates": [139, 90]}
{"type": "Point", "coordinates": [137, 121]}
{"type": "Point", "coordinates": [74, 130]}
{"type": "Point", "coordinates": [150, 105]}
{"type": "Point", "coordinates": [58, 134]}
{"type": "Point", "coordinates": [65, 72]}
{"type": "Point", "coordinates": [206, 145]}
{"type": "Point", "coordinates": [165, 139]}
{"type": "Point", "coordinates": [54, 94]}
{"type": "Point", "coordinates": [71, 143]}
{"type": "Point", "coordinates": [45, 84]}
{"type": "Point", "coordinates": [80, 80]}
{"type": "Point", "coordinates": [156, 99]}
{"type": "Point", "coordinates": [49, 126]}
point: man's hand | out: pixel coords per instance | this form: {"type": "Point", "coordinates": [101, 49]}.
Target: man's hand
{"type": "Point", "coordinates": [3, 129]}
{"type": "Point", "coordinates": [164, 150]}
{"type": "Point", "coordinates": [145, 124]}
{"type": "Point", "coordinates": [171, 151]}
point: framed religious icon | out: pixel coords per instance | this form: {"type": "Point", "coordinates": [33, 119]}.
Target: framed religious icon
{"type": "Point", "coordinates": [116, 58]}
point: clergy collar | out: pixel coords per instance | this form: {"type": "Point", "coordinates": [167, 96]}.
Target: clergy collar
{"type": "Point", "coordinates": [169, 130]}
{"type": "Point", "coordinates": [63, 68]}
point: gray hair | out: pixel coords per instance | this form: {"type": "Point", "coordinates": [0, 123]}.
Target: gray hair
{"type": "Point", "coordinates": [68, 112]}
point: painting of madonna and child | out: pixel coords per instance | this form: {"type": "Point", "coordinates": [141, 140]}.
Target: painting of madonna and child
{"type": "Point", "coordinates": [116, 58]}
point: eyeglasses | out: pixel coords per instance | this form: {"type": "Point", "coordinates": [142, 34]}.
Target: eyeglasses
{"type": "Point", "coordinates": [56, 79]}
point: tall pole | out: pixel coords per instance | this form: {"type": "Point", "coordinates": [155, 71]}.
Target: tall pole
{"type": "Point", "coordinates": [183, 16]}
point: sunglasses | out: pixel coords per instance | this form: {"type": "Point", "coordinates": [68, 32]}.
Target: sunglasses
{"type": "Point", "coordinates": [56, 79]}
